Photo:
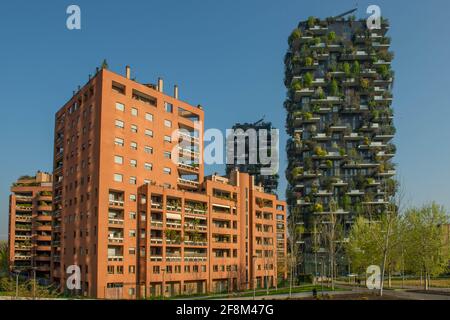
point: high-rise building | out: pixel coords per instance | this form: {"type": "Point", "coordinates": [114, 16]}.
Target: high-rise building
{"type": "Point", "coordinates": [340, 119]}
{"type": "Point", "coordinates": [132, 209]}
{"type": "Point", "coordinates": [30, 223]}
{"type": "Point", "coordinates": [253, 146]}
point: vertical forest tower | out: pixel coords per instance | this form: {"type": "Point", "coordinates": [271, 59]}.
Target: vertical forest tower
{"type": "Point", "coordinates": [340, 120]}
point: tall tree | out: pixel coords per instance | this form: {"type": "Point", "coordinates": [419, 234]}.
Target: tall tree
{"type": "Point", "coordinates": [427, 252]}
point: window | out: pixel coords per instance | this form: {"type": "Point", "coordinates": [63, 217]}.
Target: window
{"type": "Point", "coordinates": [167, 155]}
{"type": "Point", "coordinates": [148, 150]}
{"type": "Point", "coordinates": [134, 112]}
{"type": "Point", "coordinates": [118, 159]}
{"type": "Point", "coordinates": [133, 180]}
{"type": "Point", "coordinates": [132, 250]}
{"type": "Point", "coordinates": [156, 269]}
{"type": "Point", "coordinates": [120, 124]}
{"type": "Point", "coordinates": [134, 128]}
{"type": "Point", "coordinates": [167, 139]}
{"type": "Point", "coordinates": [132, 233]}
{"type": "Point", "coordinates": [148, 166]}
{"type": "Point", "coordinates": [132, 269]}
{"type": "Point", "coordinates": [132, 197]}
{"type": "Point", "coordinates": [149, 117]}
{"type": "Point", "coordinates": [149, 133]}
{"type": "Point", "coordinates": [132, 215]}
{"type": "Point", "coordinates": [133, 163]}
{"type": "Point", "coordinates": [120, 106]}
{"type": "Point", "coordinates": [133, 145]}
{"type": "Point", "coordinates": [118, 177]}
{"type": "Point", "coordinates": [168, 123]}
{"type": "Point", "coordinates": [168, 107]}
{"type": "Point", "coordinates": [110, 269]}
{"type": "Point", "coordinates": [167, 170]}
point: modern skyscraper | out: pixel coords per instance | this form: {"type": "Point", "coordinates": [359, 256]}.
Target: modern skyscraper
{"type": "Point", "coordinates": [30, 225]}
{"type": "Point", "coordinates": [132, 209]}
{"type": "Point", "coordinates": [340, 119]}
{"type": "Point", "coordinates": [242, 161]}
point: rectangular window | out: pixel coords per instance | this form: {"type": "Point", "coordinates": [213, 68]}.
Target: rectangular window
{"type": "Point", "coordinates": [149, 117]}
{"type": "Point", "coordinates": [133, 180]}
{"type": "Point", "coordinates": [167, 139]}
{"type": "Point", "coordinates": [148, 166]}
{"type": "Point", "coordinates": [134, 112]}
{"type": "Point", "coordinates": [167, 170]}
{"type": "Point", "coordinates": [149, 133]}
{"type": "Point", "coordinates": [119, 142]}
{"type": "Point", "coordinates": [167, 155]}
{"type": "Point", "coordinates": [132, 197]}
{"type": "Point", "coordinates": [120, 106]}
{"type": "Point", "coordinates": [132, 215]}
{"type": "Point", "coordinates": [148, 150]}
{"type": "Point", "coordinates": [132, 233]}
{"type": "Point", "coordinates": [168, 107]}
{"type": "Point", "coordinates": [133, 163]}
{"type": "Point", "coordinates": [134, 128]}
{"type": "Point", "coordinates": [118, 159]}
{"type": "Point", "coordinates": [118, 177]}
{"type": "Point", "coordinates": [168, 123]}
{"type": "Point", "coordinates": [120, 124]}
{"type": "Point", "coordinates": [132, 250]}
{"type": "Point", "coordinates": [133, 145]}
{"type": "Point", "coordinates": [132, 270]}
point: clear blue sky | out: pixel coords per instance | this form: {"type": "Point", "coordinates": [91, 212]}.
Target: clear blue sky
{"type": "Point", "coordinates": [225, 55]}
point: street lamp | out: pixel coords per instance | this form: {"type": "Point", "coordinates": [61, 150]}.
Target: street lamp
{"type": "Point", "coordinates": [18, 271]}
{"type": "Point", "coordinates": [254, 276]}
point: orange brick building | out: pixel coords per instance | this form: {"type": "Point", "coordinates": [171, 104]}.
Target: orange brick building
{"type": "Point", "coordinates": [30, 219]}
{"type": "Point", "coordinates": [133, 218]}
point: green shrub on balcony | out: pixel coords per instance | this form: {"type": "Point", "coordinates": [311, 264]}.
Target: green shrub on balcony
{"type": "Point", "coordinates": [384, 71]}
{"type": "Point", "coordinates": [296, 85]}
{"type": "Point", "coordinates": [298, 171]}
{"type": "Point", "coordinates": [342, 152]}
{"type": "Point", "coordinates": [311, 22]}
{"type": "Point", "coordinates": [309, 61]}
{"type": "Point", "coordinates": [365, 83]}
{"type": "Point", "coordinates": [334, 88]}
{"type": "Point", "coordinates": [318, 207]}
{"type": "Point", "coordinates": [296, 34]}
{"type": "Point", "coordinates": [347, 69]}
{"type": "Point", "coordinates": [308, 79]}
{"type": "Point", "coordinates": [320, 152]}
{"type": "Point", "coordinates": [356, 68]}
{"type": "Point", "coordinates": [332, 36]}
{"type": "Point", "coordinates": [329, 164]}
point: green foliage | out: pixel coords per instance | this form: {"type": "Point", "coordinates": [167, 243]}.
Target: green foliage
{"type": "Point", "coordinates": [309, 61]}
{"type": "Point", "coordinates": [296, 34]}
{"type": "Point", "coordinates": [334, 88]}
{"type": "Point", "coordinates": [332, 36]}
{"type": "Point", "coordinates": [296, 85]}
{"type": "Point", "coordinates": [356, 68]}
{"type": "Point", "coordinates": [298, 171]}
{"type": "Point", "coordinates": [311, 22]}
{"type": "Point", "coordinates": [347, 69]}
{"type": "Point", "coordinates": [308, 79]}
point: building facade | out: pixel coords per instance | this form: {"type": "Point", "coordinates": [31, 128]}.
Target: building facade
{"type": "Point", "coordinates": [340, 119]}
{"type": "Point", "coordinates": [30, 225]}
{"type": "Point", "coordinates": [253, 146]}
{"type": "Point", "coordinates": [119, 147]}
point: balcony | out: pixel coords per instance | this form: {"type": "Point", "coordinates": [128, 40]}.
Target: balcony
{"type": "Point", "coordinates": [188, 137]}
{"type": "Point", "coordinates": [115, 238]}
{"type": "Point", "coordinates": [156, 258]}
{"type": "Point", "coordinates": [115, 221]}
{"type": "Point", "coordinates": [115, 258]}
{"type": "Point", "coordinates": [355, 193]}
{"type": "Point", "coordinates": [116, 203]}
{"type": "Point", "coordinates": [188, 167]}
{"type": "Point", "coordinates": [24, 208]}
{"type": "Point", "coordinates": [188, 183]}
{"type": "Point", "coordinates": [156, 240]}
{"type": "Point", "coordinates": [156, 223]}
{"type": "Point", "coordinates": [389, 173]}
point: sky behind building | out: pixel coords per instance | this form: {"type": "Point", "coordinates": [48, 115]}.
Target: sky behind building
{"type": "Point", "coordinates": [226, 56]}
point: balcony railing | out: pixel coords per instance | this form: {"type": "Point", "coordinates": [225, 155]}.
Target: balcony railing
{"type": "Point", "coordinates": [115, 258]}
{"type": "Point", "coordinates": [116, 203]}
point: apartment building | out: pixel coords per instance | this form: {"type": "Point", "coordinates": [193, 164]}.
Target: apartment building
{"type": "Point", "coordinates": [228, 236]}
{"type": "Point", "coordinates": [30, 219]}
{"type": "Point", "coordinates": [119, 147]}
{"type": "Point", "coordinates": [243, 159]}
{"type": "Point", "coordinates": [340, 119]}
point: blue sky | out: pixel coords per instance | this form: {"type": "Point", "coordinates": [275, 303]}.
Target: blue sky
{"type": "Point", "coordinates": [225, 55]}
